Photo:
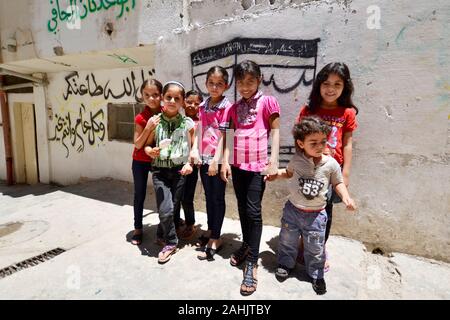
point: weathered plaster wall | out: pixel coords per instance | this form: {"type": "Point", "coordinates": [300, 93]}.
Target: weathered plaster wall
{"type": "Point", "coordinates": [40, 26]}
{"type": "Point", "coordinates": [79, 145]}
{"type": "Point", "coordinates": [400, 176]}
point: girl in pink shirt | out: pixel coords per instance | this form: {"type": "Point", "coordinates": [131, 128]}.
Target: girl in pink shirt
{"type": "Point", "coordinates": [250, 119]}
{"type": "Point", "coordinates": [212, 111]}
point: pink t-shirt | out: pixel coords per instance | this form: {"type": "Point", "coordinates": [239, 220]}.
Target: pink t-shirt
{"type": "Point", "coordinates": [251, 131]}
{"type": "Point", "coordinates": [211, 121]}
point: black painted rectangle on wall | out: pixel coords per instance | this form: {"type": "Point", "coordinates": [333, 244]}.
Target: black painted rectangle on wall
{"type": "Point", "coordinates": [264, 46]}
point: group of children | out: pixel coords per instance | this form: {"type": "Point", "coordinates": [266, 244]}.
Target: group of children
{"type": "Point", "coordinates": [219, 139]}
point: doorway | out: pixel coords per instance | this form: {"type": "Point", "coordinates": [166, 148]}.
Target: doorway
{"type": "Point", "coordinates": [24, 143]}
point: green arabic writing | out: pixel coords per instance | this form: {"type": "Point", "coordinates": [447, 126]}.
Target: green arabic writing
{"type": "Point", "coordinates": [89, 6]}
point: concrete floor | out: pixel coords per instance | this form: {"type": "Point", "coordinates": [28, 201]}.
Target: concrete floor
{"type": "Point", "coordinates": [93, 222]}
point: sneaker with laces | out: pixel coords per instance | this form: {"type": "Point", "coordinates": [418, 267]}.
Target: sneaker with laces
{"type": "Point", "coordinates": [319, 286]}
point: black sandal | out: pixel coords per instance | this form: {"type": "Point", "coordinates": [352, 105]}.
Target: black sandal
{"type": "Point", "coordinates": [239, 255]}
{"type": "Point", "coordinates": [202, 240]}
{"type": "Point", "coordinates": [249, 281]}
{"type": "Point", "coordinates": [136, 239]}
{"type": "Point", "coordinates": [210, 252]}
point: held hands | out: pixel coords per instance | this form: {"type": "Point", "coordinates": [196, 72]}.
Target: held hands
{"type": "Point", "coordinates": [153, 122]}
{"type": "Point", "coordinates": [272, 177]}
{"type": "Point", "coordinates": [187, 169]}
{"type": "Point", "coordinates": [271, 171]}
{"type": "Point", "coordinates": [152, 152]}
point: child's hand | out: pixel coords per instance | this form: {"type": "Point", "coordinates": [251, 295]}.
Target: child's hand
{"type": "Point", "coordinates": [152, 152]}
{"type": "Point", "coordinates": [271, 169]}
{"type": "Point", "coordinates": [187, 169]}
{"type": "Point", "coordinates": [153, 122]}
{"type": "Point", "coordinates": [194, 156]}
{"type": "Point", "coordinates": [349, 203]}
{"type": "Point", "coordinates": [271, 177]}
{"type": "Point", "coordinates": [225, 172]}
{"type": "Point", "coordinates": [212, 170]}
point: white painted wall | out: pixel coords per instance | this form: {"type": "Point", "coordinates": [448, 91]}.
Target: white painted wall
{"type": "Point", "coordinates": [38, 30]}
{"type": "Point", "coordinates": [81, 159]}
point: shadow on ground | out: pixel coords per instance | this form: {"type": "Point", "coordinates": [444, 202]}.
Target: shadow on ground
{"type": "Point", "coordinates": [106, 190]}
{"type": "Point", "coordinates": [269, 262]}
{"type": "Point", "coordinates": [150, 248]}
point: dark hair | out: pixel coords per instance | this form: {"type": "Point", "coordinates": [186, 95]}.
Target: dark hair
{"type": "Point", "coordinates": [220, 70]}
{"type": "Point", "coordinates": [309, 125]}
{"type": "Point", "coordinates": [247, 66]}
{"type": "Point", "coordinates": [345, 100]}
{"type": "Point", "coordinates": [173, 83]}
{"type": "Point", "coordinates": [149, 82]}
{"type": "Point", "coordinates": [193, 93]}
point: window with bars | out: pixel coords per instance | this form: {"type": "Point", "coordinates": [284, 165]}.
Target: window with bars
{"type": "Point", "coordinates": [121, 120]}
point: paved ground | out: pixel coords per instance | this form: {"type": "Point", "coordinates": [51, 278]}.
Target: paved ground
{"type": "Point", "coordinates": [93, 222]}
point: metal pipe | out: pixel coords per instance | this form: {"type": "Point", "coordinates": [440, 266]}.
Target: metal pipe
{"type": "Point", "coordinates": [20, 75]}
{"type": "Point", "coordinates": [6, 135]}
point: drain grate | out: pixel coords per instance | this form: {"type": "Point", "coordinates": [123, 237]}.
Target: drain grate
{"type": "Point", "coordinates": [31, 262]}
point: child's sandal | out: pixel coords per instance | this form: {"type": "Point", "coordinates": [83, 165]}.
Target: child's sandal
{"type": "Point", "coordinates": [136, 239]}
{"type": "Point", "coordinates": [249, 280]}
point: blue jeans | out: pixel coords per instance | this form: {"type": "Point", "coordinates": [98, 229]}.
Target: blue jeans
{"type": "Point", "coordinates": [214, 188]}
{"type": "Point", "coordinates": [168, 184]}
{"type": "Point", "coordinates": [140, 176]}
{"type": "Point", "coordinates": [310, 225]}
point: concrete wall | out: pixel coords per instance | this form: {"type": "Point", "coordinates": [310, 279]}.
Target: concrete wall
{"type": "Point", "coordinates": [40, 26]}
{"type": "Point", "coordinates": [400, 176]}
{"type": "Point", "coordinates": [399, 64]}
{"type": "Point", "coordinates": [75, 154]}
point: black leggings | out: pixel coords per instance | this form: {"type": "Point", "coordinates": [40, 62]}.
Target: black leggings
{"type": "Point", "coordinates": [140, 176]}
{"type": "Point", "coordinates": [249, 188]}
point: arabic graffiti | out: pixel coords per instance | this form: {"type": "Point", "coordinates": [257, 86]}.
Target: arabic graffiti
{"type": "Point", "coordinates": [273, 53]}
{"type": "Point", "coordinates": [288, 68]}
{"type": "Point", "coordinates": [88, 6]}
{"type": "Point", "coordinates": [77, 130]}
{"type": "Point", "coordinates": [88, 85]}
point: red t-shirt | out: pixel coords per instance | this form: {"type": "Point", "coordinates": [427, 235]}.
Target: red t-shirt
{"type": "Point", "coordinates": [141, 119]}
{"type": "Point", "coordinates": [341, 120]}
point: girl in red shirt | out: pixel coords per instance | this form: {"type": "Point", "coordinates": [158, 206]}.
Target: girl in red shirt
{"type": "Point", "coordinates": [145, 123]}
{"type": "Point", "coordinates": [330, 99]}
